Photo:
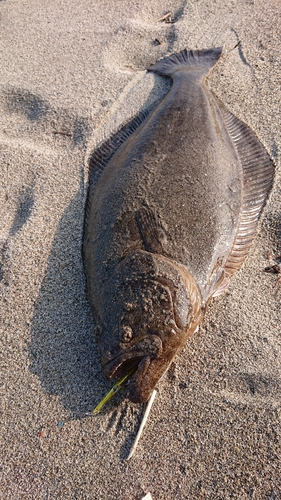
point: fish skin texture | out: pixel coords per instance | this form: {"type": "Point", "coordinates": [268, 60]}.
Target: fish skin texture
{"type": "Point", "coordinates": [173, 204]}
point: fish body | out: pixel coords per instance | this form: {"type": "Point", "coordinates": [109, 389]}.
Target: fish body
{"type": "Point", "coordinates": [171, 214]}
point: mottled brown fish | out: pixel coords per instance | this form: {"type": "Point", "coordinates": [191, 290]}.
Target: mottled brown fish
{"type": "Point", "coordinates": [173, 204]}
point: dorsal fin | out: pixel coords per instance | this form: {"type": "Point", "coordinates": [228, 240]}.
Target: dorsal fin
{"type": "Point", "coordinates": [258, 176]}
{"type": "Point", "coordinates": [102, 155]}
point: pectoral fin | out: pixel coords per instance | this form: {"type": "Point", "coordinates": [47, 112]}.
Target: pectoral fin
{"type": "Point", "coordinates": [151, 230]}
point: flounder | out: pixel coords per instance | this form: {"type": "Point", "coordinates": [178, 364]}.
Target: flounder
{"type": "Point", "coordinates": [173, 204]}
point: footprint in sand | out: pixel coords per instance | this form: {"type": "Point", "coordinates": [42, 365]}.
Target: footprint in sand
{"type": "Point", "coordinates": [123, 53]}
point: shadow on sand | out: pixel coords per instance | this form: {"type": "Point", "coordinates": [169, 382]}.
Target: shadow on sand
{"type": "Point", "coordinates": [63, 352]}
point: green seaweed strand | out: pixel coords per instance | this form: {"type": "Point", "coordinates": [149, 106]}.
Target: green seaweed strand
{"type": "Point", "coordinates": [117, 386]}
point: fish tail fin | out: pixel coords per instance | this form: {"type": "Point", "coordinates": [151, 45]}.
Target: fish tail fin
{"type": "Point", "coordinates": [205, 59]}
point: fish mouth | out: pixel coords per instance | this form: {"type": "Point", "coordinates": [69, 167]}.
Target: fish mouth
{"type": "Point", "coordinates": [139, 391]}
{"type": "Point", "coordinates": [133, 355]}
{"type": "Point", "coordinates": [150, 359]}
{"type": "Point", "coordinates": [146, 378]}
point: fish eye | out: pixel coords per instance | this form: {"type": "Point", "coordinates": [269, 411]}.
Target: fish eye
{"type": "Point", "coordinates": [126, 333]}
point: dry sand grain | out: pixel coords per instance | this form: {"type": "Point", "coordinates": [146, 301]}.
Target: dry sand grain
{"type": "Point", "coordinates": [72, 72]}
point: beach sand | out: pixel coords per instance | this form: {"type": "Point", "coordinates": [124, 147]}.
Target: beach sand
{"type": "Point", "coordinates": [72, 73]}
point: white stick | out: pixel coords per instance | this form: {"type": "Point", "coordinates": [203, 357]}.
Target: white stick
{"type": "Point", "coordinates": [145, 417]}
{"type": "Point", "coordinates": [169, 14]}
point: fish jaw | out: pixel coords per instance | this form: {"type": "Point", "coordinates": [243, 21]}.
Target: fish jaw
{"type": "Point", "coordinates": [150, 371]}
{"type": "Point", "coordinates": [148, 347]}
{"type": "Point", "coordinates": [148, 374]}
{"type": "Point", "coordinates": [152, 356]}
{"type": "Point", "coordinates": [152, 360]}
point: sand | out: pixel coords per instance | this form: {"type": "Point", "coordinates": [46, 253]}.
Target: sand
{"type": "Point", "coordinates": [71, 73]}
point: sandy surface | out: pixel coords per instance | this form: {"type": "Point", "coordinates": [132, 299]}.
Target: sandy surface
{"type": "Point", "coordinates": [72, 72]}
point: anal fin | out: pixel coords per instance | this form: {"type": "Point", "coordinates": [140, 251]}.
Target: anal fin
{"type": "Point", "coordinates": [258, 175]}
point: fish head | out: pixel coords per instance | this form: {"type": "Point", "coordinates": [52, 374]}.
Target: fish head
{"type": "Point", "coordinates": [150, 313]}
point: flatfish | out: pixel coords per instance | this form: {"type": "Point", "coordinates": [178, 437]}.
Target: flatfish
{"type": "Point", "coordinates": [173, 204]}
